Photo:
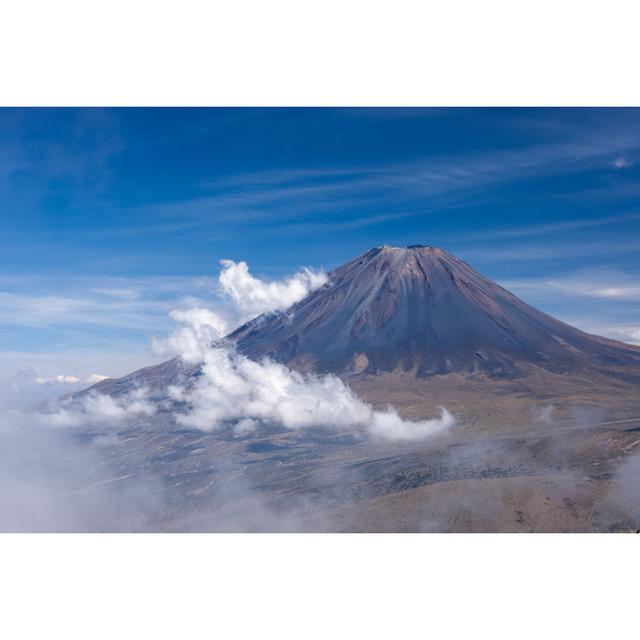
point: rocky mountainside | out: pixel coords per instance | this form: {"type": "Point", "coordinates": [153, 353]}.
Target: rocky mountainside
{"type": "Point", "coordinates": [422, 309]}
{"type": "Point", "coordinates": [546, 437]}
{"type": "Point", "coordinates": [419, 310]}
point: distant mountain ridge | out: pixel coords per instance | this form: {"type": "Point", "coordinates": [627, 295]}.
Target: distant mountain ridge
{"type": "Point", "coordinates": [421, 309]}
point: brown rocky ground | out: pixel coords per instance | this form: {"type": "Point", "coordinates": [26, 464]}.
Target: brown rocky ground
{"type": "Point", "coordinates": [541, 452]}
{"type": "Point", "coordinates": [574, 445]}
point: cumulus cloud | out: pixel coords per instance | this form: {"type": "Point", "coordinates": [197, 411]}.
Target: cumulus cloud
{"type": "Point", "coordinates": [61, 472]}
{"type": "Point", "coordinates": [246, 297]}
{"type": "Point", "coordinates": [95, 377]}
{"type": "Point", "coordinates": [390, 426]}
{"type": "Point", "coordinates": [252, 296]}
{"type": "Point", "coordinates": [65, 379]}
{"type": "Point", "coordinates": [196, 330]}
{"type": "Point", "coordinates": [58, 378]}
{"type": "Point", "coordinates": [234, 391]}
{"type": "Point", "coordinates": [238, 392]}
{"type": "Point", "coordinates": [97, 409]}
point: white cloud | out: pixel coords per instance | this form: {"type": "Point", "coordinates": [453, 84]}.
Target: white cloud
{"type": "Point", "coordinates": [26, 387]}
{"type": "Point", "coordinates": [621, 163]}
{"type": "Point", "coordinates": [246, 297]}
{"type": "Point", "coordinates": [65, 379]}
{"type": "Point", "coordinates": [235, 391]}
{"type": "Point", "coordinates": [116, 303]}
{"type": "Point", "coordinates": [142, 304]}
{"type": "Point", "coordinates": [238, 392]}
{"type": "Point", "coordinates": [62, 379]}
{"type": "Point", "coordinates": [98, 409]}
{"type": "Point", "coordinates": [95, 377]}
{"type": "Point", "coordinates": [197, 329]}
{"type": "Point", "coordinates": [589, 285]}
{"type": "Point", "coordinates": [52, 481]}
{"type": "Point", "coordinates": [629, 334]}
{"type": "Point", "coordinates": [390, 426]}
{"type": "Point", "coordinates": [59, 378]}
{"type": "Point", "coordinates": [252, 296]}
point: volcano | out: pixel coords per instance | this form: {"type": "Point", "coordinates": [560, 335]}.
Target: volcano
{"type": "Point", "coordinates": [419, 311]}
{"type": "Point", "coordinates": [544, 414]}
{"type": "Point", "coordinates": [422, 310]}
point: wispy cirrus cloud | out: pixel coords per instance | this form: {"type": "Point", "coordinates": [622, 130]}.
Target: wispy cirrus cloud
{"type": "Point", "coordinates": [127, 303]}
{"type": "Point", "coordinates": [527, 253]}
{"type": "Point", "coordinates": [625, 333]}
{"type": "Point", "coordinates": [296, 195]}
{"type": "Point", "coordinates": [605, 303]}
{"type": "Point", "coordinates": [77, 326]}
{"type": "Point", "coordinates": [472, 182]}
{"type": "Point", "coordinates": [597, 284]}
{"type": "Point", "coordinates": [557, 227]}
{"type": "Point", "coordinates": [125, 313]}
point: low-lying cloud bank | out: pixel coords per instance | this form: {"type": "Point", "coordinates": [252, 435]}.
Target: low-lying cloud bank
{"type": "Point", "coordinates": [234, 392]}
{"type": "Point", "coordinates": [96, 409]}
{"type": "Point", "coordinates": [51, 480]}
{"type": "Point", "coordinates": [239, 392]}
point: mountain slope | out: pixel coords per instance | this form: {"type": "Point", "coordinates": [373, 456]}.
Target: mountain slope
{"type": "Point", "coordinates": [537, 452]}
{"type": "Point", "coordinates": [421, 309]}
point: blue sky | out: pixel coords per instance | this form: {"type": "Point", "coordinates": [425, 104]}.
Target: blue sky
{"type": "Point", "coordinates": [110, 218]}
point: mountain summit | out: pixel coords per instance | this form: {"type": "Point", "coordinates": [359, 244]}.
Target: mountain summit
{"type": "Point", "coordinates": [421, 309]}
